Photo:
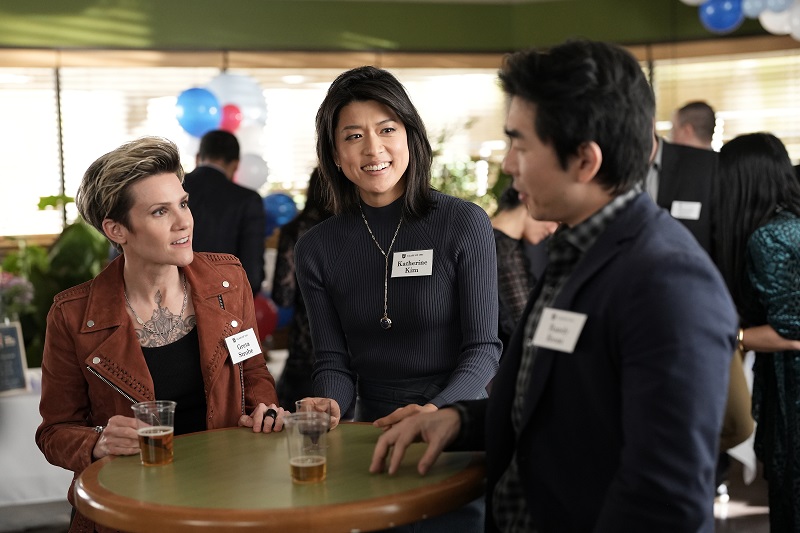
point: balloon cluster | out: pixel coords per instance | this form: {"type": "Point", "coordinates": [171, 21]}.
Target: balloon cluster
{"type": "Point", "coordinates": [227, 102]}
{"type": "Point", "coordinates": [234, 103]}
{"type": "Point", "coordinates": [779, 17]}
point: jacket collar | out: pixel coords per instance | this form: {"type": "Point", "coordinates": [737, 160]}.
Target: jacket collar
{"type": "Point", "coordinates": [106, 291]}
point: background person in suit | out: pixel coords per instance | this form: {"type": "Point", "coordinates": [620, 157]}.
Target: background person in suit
{"type": "Point", "coordinates": [693, 125]}
{"type": "Point", "coordinates": [228, 218]}
{"type": "Point", "coordinates": [680, 179]}
{"type": "Point", "coordinates": [606, 410]}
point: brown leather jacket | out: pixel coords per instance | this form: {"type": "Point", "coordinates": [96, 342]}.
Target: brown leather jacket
{"type": "Point", "coordinates": [93, 367]}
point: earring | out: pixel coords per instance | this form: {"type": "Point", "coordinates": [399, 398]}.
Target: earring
{"type": "Point", "coordinates": [338, 168]}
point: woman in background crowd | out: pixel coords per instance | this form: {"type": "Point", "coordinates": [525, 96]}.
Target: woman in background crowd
{"type": "Point", "coordinates": [295, 380]}
{"type": "Point", "coordinates": [758, 240]}
{"type": "Point", "coordinates": [515, 232]}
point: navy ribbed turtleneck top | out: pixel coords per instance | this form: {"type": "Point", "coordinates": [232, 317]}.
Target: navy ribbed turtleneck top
{"type": "Point", "coordinates": [444, 323]}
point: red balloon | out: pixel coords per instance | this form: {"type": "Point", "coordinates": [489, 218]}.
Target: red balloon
{"type": "Point", "coordinates": [266, 316]}
{"type": "Point", "coordinates": [231, 118]}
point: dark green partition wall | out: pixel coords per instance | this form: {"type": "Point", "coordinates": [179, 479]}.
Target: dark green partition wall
{"type": "Point", "coordinates": [343, 25]}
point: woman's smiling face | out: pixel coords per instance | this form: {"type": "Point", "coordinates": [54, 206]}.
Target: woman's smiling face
{"type": "Point", "coordinates": [372, 150]}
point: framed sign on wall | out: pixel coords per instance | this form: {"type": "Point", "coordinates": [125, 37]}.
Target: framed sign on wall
{"type": "Point", "coordinates": [13, 366]}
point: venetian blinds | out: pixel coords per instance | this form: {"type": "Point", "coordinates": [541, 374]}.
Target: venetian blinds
{"type": "Point", "coordinates": [463, 108]}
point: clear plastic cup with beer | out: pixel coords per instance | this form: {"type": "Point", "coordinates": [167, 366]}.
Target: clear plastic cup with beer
{"type": "Point", "coordinates": [306, 434]}
{"type": "Point", "coordinates": [156, 425]}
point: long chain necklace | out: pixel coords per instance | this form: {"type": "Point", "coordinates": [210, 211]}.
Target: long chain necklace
{"type": "Point", "coordinates": [174, 322]}
{"type": "Point", "coordinates": [386, 322]}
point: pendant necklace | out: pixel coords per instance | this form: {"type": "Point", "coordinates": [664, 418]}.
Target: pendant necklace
{"type": "Point", "coordinates": [386, 322]}
{"type": "Point", "coordinates": [174, 322]}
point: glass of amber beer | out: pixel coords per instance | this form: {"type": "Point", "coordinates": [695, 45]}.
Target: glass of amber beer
{"type": "Point", "coordinates": [306, 437]}
{"type": "Point", "coordinates": [156, 422]}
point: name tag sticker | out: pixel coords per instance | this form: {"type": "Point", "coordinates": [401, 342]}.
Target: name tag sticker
{"type": "Point", "coordinates": [686, 210]}
{"type": "Point", "coordinates": [414, 263]}
{"type": "Point", "coordinates": [559, 329]}
{"type": "Point", "coordinates": [243, 345]}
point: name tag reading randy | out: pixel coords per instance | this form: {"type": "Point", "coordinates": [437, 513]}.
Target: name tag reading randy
{"type": "Point", "coordinates": [686, 210]}
{"type": "Point", "coordinates": [559, 329]}
{"type": "Point", "coordinates": [243, 345]}
{"type": "Point", "coordinates": [414, 263]}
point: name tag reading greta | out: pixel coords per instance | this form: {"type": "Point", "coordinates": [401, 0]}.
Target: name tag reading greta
{"type": "Point", "coordinates": [414, 263]}
{"type": "Point", "coordinates": [559, 329]}
{"type": "Point", "coordinates": [243, 345]}
{"type": "Point", "coordinates": [686, 210]}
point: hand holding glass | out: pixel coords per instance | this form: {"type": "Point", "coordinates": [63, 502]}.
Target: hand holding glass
{"type": "Point", "coordinates": [156, 421]}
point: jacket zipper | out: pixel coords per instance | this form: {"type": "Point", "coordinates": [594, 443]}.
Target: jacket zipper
{"type": "Point", "coordinates": [240, 365]}
{"type": "Point", "coordinates": [90, 369]}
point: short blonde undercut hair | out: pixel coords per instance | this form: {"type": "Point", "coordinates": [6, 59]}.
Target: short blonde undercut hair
{"type": "Point", "coordinates": [105, 188]}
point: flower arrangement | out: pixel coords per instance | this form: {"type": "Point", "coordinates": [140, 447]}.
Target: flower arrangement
{"type": "Point", "coordinates": [16, 295]}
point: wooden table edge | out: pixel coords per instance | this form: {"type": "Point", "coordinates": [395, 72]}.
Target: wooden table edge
{"type": "Point", "coordinates": [126, 514]}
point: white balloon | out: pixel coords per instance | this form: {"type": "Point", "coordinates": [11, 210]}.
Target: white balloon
{"type": "Point", "coordinates": [251, 139]}
{"type": "Point", "coordinates": [794, 20]}
{"type": "Point", "coordinates": [779, 5]}
{"type": "Point", "coordinates": [693, 2]}
{"type": "Point", "coordinates": [775, 23]}
{"type": "Point", "coordinates": [252, 172]}
{"type": "Point", "coordinates": [243, 92]}
{"type": "Point", "coordinates": [753, 8]}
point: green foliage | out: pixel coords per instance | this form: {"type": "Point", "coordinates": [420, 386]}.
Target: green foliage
{"type": "Point", "coordinates": [25, 259]}
{"type": "Point", "coordinates": [55, 202]}
{"type": "Point", "coordinates": [78, 255]}
{"type": "Point", "coordinates": [458, 178]}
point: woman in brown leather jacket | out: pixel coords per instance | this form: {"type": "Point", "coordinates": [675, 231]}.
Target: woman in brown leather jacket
{"type": "Point", "coordinates": [152, 325]}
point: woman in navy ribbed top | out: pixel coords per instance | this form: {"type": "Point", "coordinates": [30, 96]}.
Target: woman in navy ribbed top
{"type": "Point", "coordinates": [401, 284]}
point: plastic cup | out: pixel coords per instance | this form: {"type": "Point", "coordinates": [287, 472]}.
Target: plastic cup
{"type": "Point", "coordinates": [156, 421]}
{"type": "Point", "coordinates": [306, 434]}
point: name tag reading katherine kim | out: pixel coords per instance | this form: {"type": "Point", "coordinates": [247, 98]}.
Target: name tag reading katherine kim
{"type": "Point", "coordinates": [243, 345]}
{"type": "Point", "coordinates": [413, 263]}
{"type": "Point", "coordinates": [559, 329]}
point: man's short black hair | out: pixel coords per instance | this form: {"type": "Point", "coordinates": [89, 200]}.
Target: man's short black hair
{"type": "Point", "coordinates": [702, 118]}
{"type": "Point", "coordinates": [219, 144]}
{"type": "Point", "coordinates": [587, 91]}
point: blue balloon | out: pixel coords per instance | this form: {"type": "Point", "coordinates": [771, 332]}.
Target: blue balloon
{"type": "Point", "coordinates": [280, 209]}
{"type": "Point", "coordinates": [198, 111]}
{"type": "Point", "coordinates": [721, 16]}
{"type": "Point", "coordinates": [285, 315]}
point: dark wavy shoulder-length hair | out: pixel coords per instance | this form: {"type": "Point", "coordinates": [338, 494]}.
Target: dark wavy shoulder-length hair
{"type": "Point", "coordinates": [756, 181]}
{"type": "Point", "coordinates": [360, 85]}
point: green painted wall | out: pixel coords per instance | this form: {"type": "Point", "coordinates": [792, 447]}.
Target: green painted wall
{"type": "Point", "coordinates": [341, 25]}
{"type": "Point", "coordinates": [621, 21]}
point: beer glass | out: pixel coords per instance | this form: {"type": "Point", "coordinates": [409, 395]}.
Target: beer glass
{"type": "Point", "coordinates": [156, 422]}
{"type": "Point", "coordinates": [306, 438]}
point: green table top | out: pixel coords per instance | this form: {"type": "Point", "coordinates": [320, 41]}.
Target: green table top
{"type": "Point", "coordinates": [235, 479]}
